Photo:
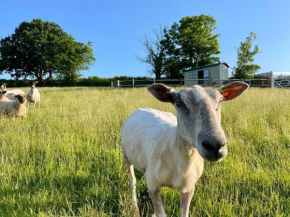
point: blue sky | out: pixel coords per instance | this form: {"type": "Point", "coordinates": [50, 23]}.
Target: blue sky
{"type": "Point", "coordinates": [115, 27]}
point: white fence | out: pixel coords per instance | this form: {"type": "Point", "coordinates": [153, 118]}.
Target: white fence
{"type": "Point", "coordinates": [283, 82]}
{"type": "Point", "coordinates": [180, 82]}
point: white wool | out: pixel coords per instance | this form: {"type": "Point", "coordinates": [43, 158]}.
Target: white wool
{"type": "Point", "coordinates": [33, 97]}
{"type": "Point", "coordinates": [170, 151]}
{"type": "Point", "coordinates": [12, 108]}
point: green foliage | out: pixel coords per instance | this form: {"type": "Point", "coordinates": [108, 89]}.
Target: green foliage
{"type": "Point", "coordinates": [190, 43]}
{"type": "Point", "coordinates": [40, 49]}
{"type": "Point", "coordinates": [245, 68]}
{"type": "Point", "coordinates": [65, 159]}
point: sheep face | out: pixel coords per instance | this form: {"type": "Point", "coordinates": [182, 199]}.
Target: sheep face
{"type": "Point", "coordinates": [199, 116]}
{"type": "Point", "coordinates": [33, 84]}
{"type": "Point", "coordinates": [3, 86]}
{"type": "Point", "coordinates": [21, 98]}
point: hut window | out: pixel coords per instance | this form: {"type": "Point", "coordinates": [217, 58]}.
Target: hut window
{"type": "Point", "coordinates": [206, 73]}
{"type": "Point", "coordinates": [192, 75]}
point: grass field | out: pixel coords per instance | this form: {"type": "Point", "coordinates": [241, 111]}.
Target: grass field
{"type": "Point", "coordinates": [65, 159]}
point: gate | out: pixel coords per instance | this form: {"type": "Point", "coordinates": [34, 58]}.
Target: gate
{"type": "Point", "coordinates": [281, 82]}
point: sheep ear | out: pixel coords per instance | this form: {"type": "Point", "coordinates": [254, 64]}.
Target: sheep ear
{"type": "Point", "coordinates": [162, 92]}
{"type": "Point", "coordinates": [233, 90]}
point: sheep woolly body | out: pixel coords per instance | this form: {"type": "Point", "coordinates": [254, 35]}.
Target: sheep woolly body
{"type": "Point", "coordinates": [14, 107]}
{"type": "Point", "coordinates": [33, 96]}
{"type": "Point", "coordinates": [11, 93]}
{"type": "Point", "coordinates": [152, 133]}
{"type": "Point", "coordinates": [3, 97]}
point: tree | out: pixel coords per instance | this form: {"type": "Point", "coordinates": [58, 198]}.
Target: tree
{"type": "Point", "coordinates": [190, 43]}
{"type": "Point", "coordinates": [74, 57]}
{"type": "Point", "coordinates": [40, 49]}
{"type": "Point", "coordinates": [245, 68]}
{"type": "Point", "coordinates": [154, 51]}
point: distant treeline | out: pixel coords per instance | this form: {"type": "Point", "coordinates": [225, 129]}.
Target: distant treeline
{"type": "Point", "coordinates": [90, 81]}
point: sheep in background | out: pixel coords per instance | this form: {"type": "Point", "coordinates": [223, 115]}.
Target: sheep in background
{"type": "Point", "coordinates": [33, 94]}
{"type": "Point", "coordinates": [10, 93]}
{"type": "Point", "coordinates": [3, 97]}
{"type": "Point", "coordinates": [171, 150]}
{"type": "Point", "coordinates": [14, 107]}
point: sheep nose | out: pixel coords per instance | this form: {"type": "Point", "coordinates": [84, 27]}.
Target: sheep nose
{"type": "Point", "coordinates": [214, 147]}
{"type": "Point", "coordinates": [208, 146]}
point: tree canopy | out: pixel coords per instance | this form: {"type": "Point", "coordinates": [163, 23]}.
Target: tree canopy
{"type": "Point", "coordinates": [191, 43]}
{"type": "Point", "coordinates": [245, 58]}
{"type": "Point", "coordinates": [187, 44]}
{"type": "Point", "coordinates": [41, 49]}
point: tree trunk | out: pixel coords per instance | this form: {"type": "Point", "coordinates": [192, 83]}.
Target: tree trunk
{"type": "Point", "coordinates": [157, 76]}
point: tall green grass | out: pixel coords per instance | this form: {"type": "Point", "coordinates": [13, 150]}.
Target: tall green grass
{"type": "Point", "coordinates": [65, 159]}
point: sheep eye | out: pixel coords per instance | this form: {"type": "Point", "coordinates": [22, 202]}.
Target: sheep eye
{"type": "Point", "coordinates": [177, 102]}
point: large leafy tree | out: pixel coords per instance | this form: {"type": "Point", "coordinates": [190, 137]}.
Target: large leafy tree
{"type": "Point", "coordinates": [154, 52]}
{"type": "Point", "coordinates": [245, 67]}
{"type": "Point", "coordinates": [40, 49]}
{"type": "Point", "coordinates": [191, 43]}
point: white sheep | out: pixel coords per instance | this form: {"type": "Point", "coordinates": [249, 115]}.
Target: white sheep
{"type": "Point", "coordinates": [3, 97]}
{"type": "Point", "coordinates": [10, 93]}
{"type": "Point", "coordinates": [14, 107]}
{"type": "Point", "coordinates": [171, 150]}
{"type": "Point", "coordinates": [33, 94]}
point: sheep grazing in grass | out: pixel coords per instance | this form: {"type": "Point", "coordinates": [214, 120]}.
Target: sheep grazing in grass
{"type": "Point", "coordinates": [33, 94]}
{"type": "Point", "coordinates": [10, 93]}
{"type": "Point", "coordinates": [171, 150]}
{"type": "Point", "coordinates": [15, 107]}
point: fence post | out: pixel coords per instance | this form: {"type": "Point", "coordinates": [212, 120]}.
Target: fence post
{"type": "Point", "coordinates": [118, 84]}
{"type": "Point", "coordinates": [112, 84]}
{"type": "Point", "coordinates": [180, 82]}
{"type": "Point", "coordinates": [262, 83]}
{"type": "Point", "coordinates": [154, 81]}
{"type": "Point", "coordinates": [210, 81]}
{"type": "Point", "coordinates": [250, 83]}
{"type": "Point", "coordinates": [272, 82]}
{"type": "Point", "coordinates": [133, 82]}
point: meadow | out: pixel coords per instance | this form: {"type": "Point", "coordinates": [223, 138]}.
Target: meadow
{"type": "Point", "coordinates": [65, 158]}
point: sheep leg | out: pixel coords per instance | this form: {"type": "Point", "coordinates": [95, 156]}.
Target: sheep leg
{"type": "Point", "coordinates": [185, 199]}
{"type": "Point", "coordinates": [157, 202]}
{"type": "Point", "coordinates": [34, 104]}
{"type": "Point", "coordinates": [130, 168]}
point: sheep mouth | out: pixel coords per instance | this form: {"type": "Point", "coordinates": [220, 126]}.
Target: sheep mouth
{"type": "Point", "coordinates": [214, 156]}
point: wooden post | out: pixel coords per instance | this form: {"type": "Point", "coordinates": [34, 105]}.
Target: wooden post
{"type": "Point", "coordinates": [262, 83]}
{"type": "Point", "coordinates": [133, 82]}
{"type": "Point", "coordinates": [250, 82]}
{"type": "Point", "coordinates": [112, 84]}
{"type": "Point", "coordinates": [118, 84]}
{"type": "Point", "coordinates": [272, 82]}
{"type": "Point", "coordinates": [154, 81]}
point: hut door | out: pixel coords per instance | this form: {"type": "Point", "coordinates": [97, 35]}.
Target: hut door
{"type": "Point", "coordinates": [200, 76]}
